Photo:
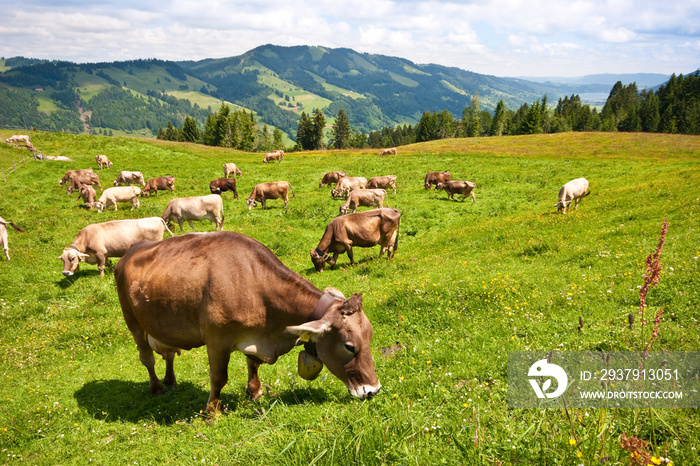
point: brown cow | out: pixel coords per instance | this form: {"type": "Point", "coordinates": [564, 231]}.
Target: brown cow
{"type": "Point", "coordinates": [126, 178]}
{"type": "Point", "coordinates": [99, 241]}
{"type": "Point", "coordinates": [81, 179]}
{"type": "Point", "coordinates": [433, 178]}
{"type": "Point", "coordinates": [3, 235]}
{"type": "Point", "coordinates": [364, 230]}
{"type": "Point", "coordinates": [258, 307]}
{"type": "Point", "coordinates": [389, 151]}
{"type": "Point", "coordinates": [71, 173]}
{"type": "Point", "coordinates": [365, 198]}
{"type": "Point", "coordinates": [111, 196]}
{"type": "Point", "coordinates": [102, 161]}
{"type": "Point", "coordinates": [331, 178]}
{"type": "Point", "coordinates": [274, 155]}
{"type": "Point", "coordinates": [347, 184]}
{"type": "Point", "coordinates": [88, 194]}
{"type": "Point", "coordinates": [274, 190]}
{"type": "Point", "coordinates": [231, 168]}
{"type": "Point", "coordinates": [209, 207]}
{"type": "Point", "coordinates": [161, 183]}
{"type": "Point", "coordinates": [385, 182]}
{"type": "Point", "coordinates": [220, 185]}
{"type": "Point", "coordinates": [465, 188]}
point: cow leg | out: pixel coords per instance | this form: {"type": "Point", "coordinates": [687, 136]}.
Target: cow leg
{"type": "Point", "coordinates": [7, 252]}
{"type": "Point", "coordinates": [473, 198]}
{"type": "Point", "coordinates": [191, 224]}
{"type": "Point", "coordinates": [101, 260]}
{"type": "Point", "coordinates": [349, 251]}
{"type": "Point", "coordinates": [286, 201]}
{"type": "Point", "coordinates": [218, 375]}
{"type": "Point", "coordinates": [179, 222]}
{"type": "Point", "coordinates": [263, 203]}
{"type": "Point", "coordinates": [146, 357]}
{"type": "Point", "coordinates": [254, 388]}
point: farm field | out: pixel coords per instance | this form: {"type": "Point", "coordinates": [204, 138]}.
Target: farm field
{"type": "Point", "coordinates": [468, 284]}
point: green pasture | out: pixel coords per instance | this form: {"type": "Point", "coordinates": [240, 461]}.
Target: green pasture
{"type": "Point", "coordinates": [468, 284]}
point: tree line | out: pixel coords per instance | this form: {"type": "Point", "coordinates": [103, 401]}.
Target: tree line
{"type": "Point", "coordinates": [673, 108]}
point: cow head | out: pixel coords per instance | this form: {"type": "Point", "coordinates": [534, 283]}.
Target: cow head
{"type": "Point", "coordinates": [72, 258]}
{"type": "Point", "coordinates": [335, 192]}
{"type": "Point", "coordinates": [319, 259]}
{"type": "Point", "coordinates": [439, 186]}
{"type": "Point", "coordinates": [250, 202]}
{"type": "Point", "coordinates": [342, 340]}
{"type": "Point", "coordinates": [100, 206]}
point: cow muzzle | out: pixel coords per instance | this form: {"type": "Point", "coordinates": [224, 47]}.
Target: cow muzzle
{"type": "Point", "coordinates": [365, 391]}
{"type": "Point", "coordinates": [67, 273]}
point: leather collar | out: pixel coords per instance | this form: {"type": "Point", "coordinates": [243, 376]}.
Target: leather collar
{"type": "Point", "coordinates": [322, 306]}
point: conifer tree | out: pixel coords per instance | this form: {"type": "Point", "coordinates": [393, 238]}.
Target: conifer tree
{"type": "Point", "coordinates": [190, 132]}
{"type": "Point", "coordinates": [341, 131]}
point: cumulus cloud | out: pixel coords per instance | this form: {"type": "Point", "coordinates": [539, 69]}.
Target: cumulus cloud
{"type": "Point", "coordinates": [501, 37]}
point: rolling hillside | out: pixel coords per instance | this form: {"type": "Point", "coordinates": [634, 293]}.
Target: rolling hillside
{"type": "Point", "coordinates": [276, 83]}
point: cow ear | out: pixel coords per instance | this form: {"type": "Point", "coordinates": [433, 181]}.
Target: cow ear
{"type": "Point", "coordinates": [334, 292]}
{"type": "Point", "coordinates": [310, 331]}
{"type": "Point", "coordinates": [352, 305]}
{"type": "Point", "coordinates": [83, 257]}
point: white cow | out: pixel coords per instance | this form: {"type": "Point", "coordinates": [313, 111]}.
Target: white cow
{"type": "Point", "coordinates": [127, 178]}
{"type": "Point", "coordinates": [96, 242]}
{"type": "Point", "coordinates": [17, 139]}
{"type": "Point", "coordinates": [230, 168]}
{"type": "Point", "coordinates": [111, 196]}
{"type": "Point", "coordinates": [3, 235]}
{"type": "Point", "coordinates": [181, 209]}
{"type": "Point", "coordinates": [574, 190]}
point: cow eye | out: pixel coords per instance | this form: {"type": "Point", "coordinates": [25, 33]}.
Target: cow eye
{"type": "Point", "coordinates": [350, 347]}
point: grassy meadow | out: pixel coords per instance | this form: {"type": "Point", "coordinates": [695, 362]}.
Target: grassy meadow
{"type": "Point", "coordinates": [468, 284]}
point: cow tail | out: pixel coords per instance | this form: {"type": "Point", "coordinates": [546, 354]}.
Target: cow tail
{"type": "Point", "coordinates": [166, 227]}
{"type": "Point", "coordinates": [292, 188]}
{"type": "Point", "coordinates": [396, 241]}
{"type": "Point", "coordinates": [16, 227]}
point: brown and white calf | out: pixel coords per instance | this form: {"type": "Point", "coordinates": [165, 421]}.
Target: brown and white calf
{"type": "Point", "coordinates": [127, 178]}
{"type": "Point", "coordinates": [433, 178]}
{"type": "Point", "coordinates": [99, 241]}
{"type": "Point", "coordinates": [331, 178]}
{"type": "Point", "coordinates": [220, 185]}
{"type": "Point", "coordinates": [161, 183]}
{"type": "Point", "coordinates": [187, 209]}
{"type": "Point", "coordinates": [365, 198]}
{"type": "Point", "coordinates": [102, 161]}
{"type": "Point", "coordinates": [237, 296]}
{"type": "Point", "coordinates": [573, 191]}
{"type": "Point", "coordinates": [111, 196]}
{"type": "Point", "coordinates": [3, 235]}
{"type": "Point", "coordinates": [384, 182]}
{"type": "Point", "coordinates": [363, 230]}
{"type": "Point", "coordinates": [347, 184]}
{"type": "Point", "coordinates": [465, 188]}
{"type": "Point", "coordinates": [231, 168]}
{"type": "Point", "coordinates": [273, 190]}
{"type": "Point", "coordinates": [88, 194]}
{"type": "Point", "coordinates": [389, 151]}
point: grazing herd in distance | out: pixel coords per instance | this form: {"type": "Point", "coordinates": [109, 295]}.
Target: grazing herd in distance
{"type": "Point", "coordinates": [262, 322]}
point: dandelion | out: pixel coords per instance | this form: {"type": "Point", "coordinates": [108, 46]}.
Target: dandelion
{"type": "Point", "coordinates": [579, 454]}
{"type": "Point", "coordinates": [572, 441]}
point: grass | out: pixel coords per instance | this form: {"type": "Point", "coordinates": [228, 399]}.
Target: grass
{"type": "Point", "coordinates": [469, 283]}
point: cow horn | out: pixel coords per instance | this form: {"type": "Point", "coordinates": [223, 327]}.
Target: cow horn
{"type": "Point", "coordinates": [352, 305]}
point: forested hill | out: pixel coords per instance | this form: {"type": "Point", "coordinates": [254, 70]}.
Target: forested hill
{"type": "Point", "coordinates": [276, 83]}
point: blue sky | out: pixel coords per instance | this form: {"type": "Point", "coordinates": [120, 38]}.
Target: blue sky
{"type": "Point", "coordinates": [496, 37]}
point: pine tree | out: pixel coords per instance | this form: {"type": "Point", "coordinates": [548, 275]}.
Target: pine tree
{"type": "Point", "coordinates": [318, 128]}
{"type": "Point", "coordinates": [303, 132]}
{"type": "Point", "coordinates": [427, 127]}
{"type": "Point", "coordinates": [277, 139]}
{"type": "Point", "coordinates": [190, 132]}
{"type": "Point", "coordinates": [498, 124]}
{"type": "Point", "coordinates": [341, 131]}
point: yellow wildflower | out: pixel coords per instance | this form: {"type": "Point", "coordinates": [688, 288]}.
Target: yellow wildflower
{"type": "Point", "coordinates": [572, 441]}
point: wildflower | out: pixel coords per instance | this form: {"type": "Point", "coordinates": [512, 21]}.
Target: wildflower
{"type": "Point", "coordinates": [579, 454]}
{"type": "Point", "coordinates": [655, 460]}
{"type": "Point", "coordinates": [572, 441]}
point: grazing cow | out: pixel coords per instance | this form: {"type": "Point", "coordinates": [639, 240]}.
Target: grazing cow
{"type": "Point", "coordinates": [231, 168]}
{"type": "Point", "coordinates": [17, 139]}
{"type": "Point", "coordinates": [98, 241]}
{"type": "Point", "coordinates": [229, 292]}
{"type": "Point", "coordinates": [274, 155]}
{"type": "Point", "coordinates": [433, 178]}
{"type": "Point", "coordinates": [111, 196]}
{"type": "Point", "coordinates": [347, 184]}
{"type": "Point", "coordinates": [71, 173]}
{"type": "Point", "coordinates": [273, 190]}
{"type": "Point", "coordinates": [88, 194]}
{"type": "Point", "coordinates": [209, 207]}
{"type": "Point", "coordinates": [365, 198]}
{"type": "Point", "coordinates": [465, 188]}
{"type": "Point", "coordinates": [158, 184]}
{"type": "Point", "coordinates": [3, 235]}
{"type": "Point", "coordinates": [364, 230]}
{"type": "Point", "coordinates": [390, 151]}
{"type": "Point", "coordinates": [574, 190]}
{"type": "Point", "coordinates": [127, 178]}
{"type": "Point", "coordinates": [81, 179]}
{"type": "Point", "coordinates": [220, 185]}
{"type": "Point", "coordinates": [331, 178]}
{"type": "Point", "coordinates": [102, 161]}
{"type": "Point", "coordinates": [385, 182]}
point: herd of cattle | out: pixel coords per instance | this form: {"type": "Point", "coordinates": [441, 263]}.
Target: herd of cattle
{"type": "Point", "coordinates": [174, 295]}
